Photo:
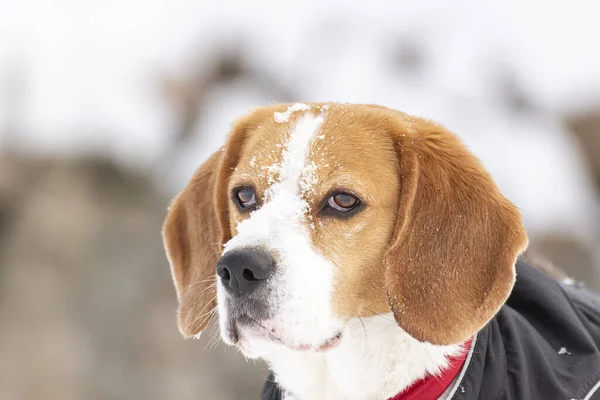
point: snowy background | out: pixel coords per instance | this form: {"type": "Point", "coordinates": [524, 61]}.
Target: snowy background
{"type": "Point", "coordinates": [107, 108]}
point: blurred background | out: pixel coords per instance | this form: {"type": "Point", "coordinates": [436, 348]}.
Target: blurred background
{"type": "Point", "coordinates": [107, 108]}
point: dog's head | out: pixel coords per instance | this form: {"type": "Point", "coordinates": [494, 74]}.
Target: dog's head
{"type": "Point", "coordinates": [316, 214]}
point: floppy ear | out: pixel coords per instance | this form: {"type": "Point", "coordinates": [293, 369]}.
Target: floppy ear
{"type": "Point", "coordinates": [191, 236]}
{"type": "Point", "coordinates": [450, 265]}
{"type": "Point", "coordinates": [197, 226]}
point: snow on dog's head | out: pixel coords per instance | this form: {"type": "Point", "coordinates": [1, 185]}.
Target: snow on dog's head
{"type": "Point", "coordinates": [314, 215]}
{"type": "Point", "coordinates": [295, 307]}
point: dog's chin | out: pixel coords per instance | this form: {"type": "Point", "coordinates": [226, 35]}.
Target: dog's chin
{"type": "Point", "coordinates": [257, 338]}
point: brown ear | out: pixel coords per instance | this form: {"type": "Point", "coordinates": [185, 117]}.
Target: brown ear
{"type": "Point", "coordinates": [450, 266]}
{"type": "Point", "coordinates": [191, 236]}
{"type": "Point", "coordinates": [197, 226]}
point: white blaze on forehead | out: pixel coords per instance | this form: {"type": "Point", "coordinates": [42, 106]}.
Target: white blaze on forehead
{"type": "Point", "coordinates": [294, 161]}
{"type": "Point", "coordinates": [282, 117]}
{"type": "Point", "coordinates": [290, 180]}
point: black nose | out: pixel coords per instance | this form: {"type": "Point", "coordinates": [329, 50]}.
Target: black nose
{"type": "Point", "coordinates": [243, 270]}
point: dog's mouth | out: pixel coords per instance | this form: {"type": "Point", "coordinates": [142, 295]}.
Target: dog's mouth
{"type": "Point", "coordinates": [247, 328]}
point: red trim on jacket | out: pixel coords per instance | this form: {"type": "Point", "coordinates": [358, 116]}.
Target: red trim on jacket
{"type": "Point", "coordinates": [432, 387]}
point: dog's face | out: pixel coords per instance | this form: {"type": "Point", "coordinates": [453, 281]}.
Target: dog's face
{"type": "Point", "coordinates": [313, 215]}
{"type": "Point", "coordinates": [305, 201]}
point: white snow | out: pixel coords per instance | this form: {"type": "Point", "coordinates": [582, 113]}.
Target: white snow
{"type": "Point", "coordinates": [283, 202]}
{"type": "Point", "coordinates": [563, 350]}
{"type": "Point", "coordinates": [568, 281]}
{"type": "Point", "coordinates": [281, 117]}
{"type": "Point", "coordinates": [280, 225]}
{"type": "Point", "coordinates": [295, 175]}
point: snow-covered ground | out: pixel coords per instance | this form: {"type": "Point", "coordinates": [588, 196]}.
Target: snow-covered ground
{"type": "Point", "coordinates": [84, 76]}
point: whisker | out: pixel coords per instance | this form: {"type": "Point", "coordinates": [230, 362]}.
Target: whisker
{"type": "Point", "coordinates": [213, 337]}
{"type": "Point", "coordinates": [212, 278]}
{"type": "Point", "coordinates": [208, 317]}
{"type": "Point", "coordinates": [212, 286]}
{"type": "Point", "coordinates": [202, 315]}
{"type": "Point", "coordinates": [214, 340]}
{"type": "Point", "coordinates": [209, 334]}
{"type": "Point", "coordinates": [380, 315]}
{"type": "Point", "coordinates": [365, 335]}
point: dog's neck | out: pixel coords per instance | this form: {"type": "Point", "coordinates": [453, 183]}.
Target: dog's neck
{"type": "Point", "coordinates": [376, 360]}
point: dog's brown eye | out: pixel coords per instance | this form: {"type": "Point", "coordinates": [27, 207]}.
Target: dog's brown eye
{"type": "Point", "coordinates": [342, 202]}
{"type": "Point", "coordinates": [246, 198]}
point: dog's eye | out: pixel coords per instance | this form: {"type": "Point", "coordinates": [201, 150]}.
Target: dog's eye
{"type": "Point", "coordinates": [246, 198]}
{"type": "Point", "coordinates": [343, 202]}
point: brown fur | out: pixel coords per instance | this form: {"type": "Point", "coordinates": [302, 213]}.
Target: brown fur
{"type": "Point", "coordinates": [196, 228]}
{"type": "Point", "coordinates": [189, 233]}
{"type": "Point", "coordinates": [436, 242]}
{"type": "Point", "coordinates": [451, 265]}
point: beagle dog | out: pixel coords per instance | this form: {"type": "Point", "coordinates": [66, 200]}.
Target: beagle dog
{"type": "Point", "coordinates": [356, 249]}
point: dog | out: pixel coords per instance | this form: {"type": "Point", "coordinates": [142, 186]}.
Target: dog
{"type": "Point", "coordinates": [364, 253]}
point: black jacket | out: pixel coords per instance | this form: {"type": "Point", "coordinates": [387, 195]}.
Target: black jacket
{"type": "Point", "coordinates": [544, 344]}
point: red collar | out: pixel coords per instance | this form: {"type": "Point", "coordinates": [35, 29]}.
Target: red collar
{"type": "Point", "coordinates": [432, 387]}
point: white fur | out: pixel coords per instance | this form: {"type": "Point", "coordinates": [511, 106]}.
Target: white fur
{"type": "Point", "coordinates": [304, 283]}
{"type": "Point", "coordinates": [374, 361]}
{"type": "Point", "coordinates": [375, 358]}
